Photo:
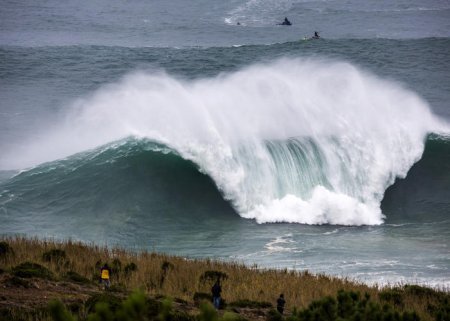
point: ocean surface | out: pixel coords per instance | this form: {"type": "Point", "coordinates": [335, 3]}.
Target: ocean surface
{"type": "Point", "coordinates": [204, 129]}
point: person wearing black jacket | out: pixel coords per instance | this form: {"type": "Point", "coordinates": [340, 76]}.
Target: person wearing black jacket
{"type": "Point", "coordinates": [280, 303]}
{"type": "Point", "coordinates": [216, 290]}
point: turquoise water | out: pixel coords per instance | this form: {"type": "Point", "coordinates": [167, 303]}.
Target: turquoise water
{"type": "Point", "coordinates": [169, 127]}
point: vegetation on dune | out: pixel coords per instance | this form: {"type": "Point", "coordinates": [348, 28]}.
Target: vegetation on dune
{"type": "Point", "coordinates": [69, 273]}
{"type": "Point", "coordinates": [347, 306]}
{"type": "Point", "coordinates": [31, 270]}
{"type": "Point", "coordinates": [5, 250]}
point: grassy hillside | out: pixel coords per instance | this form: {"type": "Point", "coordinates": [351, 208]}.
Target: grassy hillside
{"type": "Point", "coordinates": [33, 272]}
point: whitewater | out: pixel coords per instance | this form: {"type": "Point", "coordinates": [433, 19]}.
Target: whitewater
{"type": "Point", "coordinates": [299, 140]}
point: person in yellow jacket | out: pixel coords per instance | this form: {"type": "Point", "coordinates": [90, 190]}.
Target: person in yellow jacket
{"type": "Point", "coordinates": [105, 273]}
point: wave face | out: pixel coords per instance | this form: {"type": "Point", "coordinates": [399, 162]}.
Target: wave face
{"type": "Point", "coordinates": [423, 195]}
{"type": "Point", "coordinates": [142, 177]}
{"type": "Point", "coordinates": [305, 141]}
{"type": "Point", "coordinates": [129, 178]}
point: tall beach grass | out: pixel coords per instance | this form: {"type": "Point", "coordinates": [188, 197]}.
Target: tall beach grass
{"type": "Point", "coordinates": [158, 274]}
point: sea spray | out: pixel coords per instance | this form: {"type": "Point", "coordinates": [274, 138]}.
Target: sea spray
{"type": "Point", "coordinates": [297, 140]}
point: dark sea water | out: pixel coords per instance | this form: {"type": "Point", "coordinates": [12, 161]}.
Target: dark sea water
{"type": "Point", "coordinates": [167, 126]}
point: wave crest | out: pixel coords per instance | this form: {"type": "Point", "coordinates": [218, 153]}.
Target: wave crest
{"type": "Point", "coordinates": [297, 140]}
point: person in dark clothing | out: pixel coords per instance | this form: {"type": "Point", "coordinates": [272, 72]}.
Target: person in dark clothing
{"type": "Point", "coordinates": [316, 35]}
{"type": "Point", "coordinates": [280, 303]}
{"type": "Point", "coordinates": [216, 290]}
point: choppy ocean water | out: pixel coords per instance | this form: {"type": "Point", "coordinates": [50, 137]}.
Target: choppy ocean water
{"type": "Point", "coordinates": [168, 126]}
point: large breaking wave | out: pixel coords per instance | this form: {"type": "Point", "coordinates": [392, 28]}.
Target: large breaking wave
{"type": "Point", "coordinates": [305, 141]}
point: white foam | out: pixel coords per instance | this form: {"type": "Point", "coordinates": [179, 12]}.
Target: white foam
{"type": "Point", "coordinates": [297, 140]}
{"type": "Point", "coordinates": [281, 244]}
{"type": "Point", "coordinates": [324, 207]}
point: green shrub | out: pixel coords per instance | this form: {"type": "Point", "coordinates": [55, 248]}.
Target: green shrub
{"type": "Point", "coordinates": [442, 312]}
{"type": "Point", "coordinates": [213, 276]}
{"type": "Point", "coordinates": [202, 296]}
{"type": "Point", "coordinates": [274, 315]}
{"type": "Point", "coordinates": [105, 297]}
{"type": "Point", "coordinates": [347, 303]}
{"type": "Point", "coordinates": [102, 313]}
{"type": "Point", "coordinates": [130, 267]}
{"type": "Point", "coordinates": [207, 312]}
{"type": "Point", "coordinates": [76, 307]}
{"type": "Point", "coordinates": [410, 316]}
{"type": "Point", "coordinates": [230, 316]}
{"type": "Point", "coordinates": [133, 308]}
{"type": "Point", "coordinates": [180, 301]}
{"type": "Point", "coordinates": [98, 265]}
{"type": "Point", "coordinates": [250, 304]}
{"type": "Point", "coordinates": [75, 277]}
{"type": "Point", "coordinates": [136, 307]}
{"type": "Point", "coordinates": [324, 309]}
{"type": "Point", "coordinates": [350, 307]}
{"type": "Point", "coordinates": [420, 291]}
{"type": "Point", "coordinates": [119, 287]}
{"type": "Point", "coordinates": [5, 250]}
{"type": "Point", "coordinates": [166, 310]}
{"type": "Point", "coordinates": [32, 270]}
{"type": "Point", "coordinates": [116, 267]}
{"type": "Point", "coordinates": [6, 313]}
{"type": "Point", "coordinates": [153, 308]}
{"type": "Point", "coordinates": [393, 296]}
{"type": "Point", "coordinates": [182, 316]}
{"type": "Point", "coordinates": [17, 282]}
{"type": "Point", "coordinates": [59, 312]}
{"type": "Point", "coordinates": [54, 255]}
{"type": "Point", "coordinates": [167, 313]}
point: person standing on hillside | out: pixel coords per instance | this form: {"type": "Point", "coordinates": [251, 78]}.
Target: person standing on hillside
{"type": "Point", "coordinates": [280, 303]}
{"type": "Point", "coordinates": [105, 273]}
{"type": "Point", "coordinates": [216, 290]}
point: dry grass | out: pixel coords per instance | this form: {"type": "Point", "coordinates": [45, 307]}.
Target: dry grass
{"type": "Point", "coordinates": [182, 278]}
